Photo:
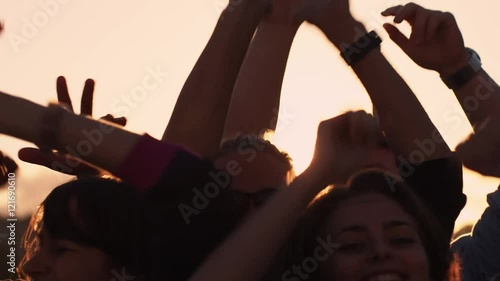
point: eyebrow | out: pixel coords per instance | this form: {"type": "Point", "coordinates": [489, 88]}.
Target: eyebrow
{"type": "Point", "coordinates": [393, 224]}
{"type": "Point", "coordinates": [360, 228]}
{"type": "Point", "coordinates": [352, 228]}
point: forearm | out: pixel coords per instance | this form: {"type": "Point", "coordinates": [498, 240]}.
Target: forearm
{"type": "Point", "coordinates": [200, 112]}
{"type": "Point", "coordinates": [479, 98]}
{"type": "Point", "coordinates": [256, 97]}
{"type": "Point", "coordinates": [402, 117]}
{"type": "Point", "coordinates": [27, 127]}
{"type": "Point", "coordinates": [261, 236]}
{"type": "Point", "coordinates": [98, 143]}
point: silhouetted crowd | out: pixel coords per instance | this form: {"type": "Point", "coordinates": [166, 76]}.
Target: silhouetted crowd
{"type": "Point", "coordinates": [214, 199]}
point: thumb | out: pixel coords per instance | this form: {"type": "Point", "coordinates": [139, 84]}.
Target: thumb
{"type": "Point", "coordinates": [36, 156]}
{"type": "Point", "coordinates": [399, 38]}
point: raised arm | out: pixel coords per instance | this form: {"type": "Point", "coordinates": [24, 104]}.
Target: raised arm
{"type": "Point", "coordinates": [340, 146]}
{"type": "Point", "coordinates": [436, 44]}
{"type": "Point", "coordinates": [200, 112]}
{"type": "Point", "coordinates": [481, 151]}
{"type": "Point", "coordinates": [401, 115]}
{"type": "Point", "coordinates": [100, 143]}
{"type": "Point", "coordinates": [256, 97]}
{"type": "Point", "coordinates": [47, 158]}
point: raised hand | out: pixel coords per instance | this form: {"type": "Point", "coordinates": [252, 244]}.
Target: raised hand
{"type": "Point", "coordinates": [86, 102]}
{"type": "Point", "coordinates": [62, 162]}
{"type": "Point", "coordinates": [436, 42]}
{"type": "Point", "coordinates": [342, 145]}
{"type": "Point", "coordinates": [333, 17]}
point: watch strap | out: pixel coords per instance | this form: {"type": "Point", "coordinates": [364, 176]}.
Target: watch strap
{"type": "Point", "coordinates": [358, 50]}
{"type": "Point", "coordinates": [465, 74]}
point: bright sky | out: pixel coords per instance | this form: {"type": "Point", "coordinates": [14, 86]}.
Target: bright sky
{"type": "Point", "coordinates": [119, 43]}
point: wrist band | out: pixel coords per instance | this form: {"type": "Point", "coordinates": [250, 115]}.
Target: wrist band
{"type": "Point", "coordinates": [460, 78]}
{"type": "Point", "coordinates": [359, 49]}
{"type": "Point", "coordinates": [49, 130]}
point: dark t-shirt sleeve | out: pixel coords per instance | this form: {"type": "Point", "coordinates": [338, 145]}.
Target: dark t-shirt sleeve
{"type": "Point", "coordinates": [439, 184]}
{"type": "Point", "coordinates": [150, 160]}
{"type": "Point", "coordinates": [185, 212]}
{"type": "Point", "coordinates": [185, 215]}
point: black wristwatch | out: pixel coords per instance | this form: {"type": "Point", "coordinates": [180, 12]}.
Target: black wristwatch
{"type": "Point", "coordinates": [358, 50]}
{"type": "Point", "coordinates": [464, 75]}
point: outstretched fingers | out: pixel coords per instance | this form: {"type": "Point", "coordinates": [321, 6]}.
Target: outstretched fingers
{"type": "Point", "coordinates": [63, 93]}
{"type": "Point", "coordinates": [87, 97]}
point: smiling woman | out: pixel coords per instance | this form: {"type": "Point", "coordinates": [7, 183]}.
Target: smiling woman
{"type": "Point", "coordinates": [381, 232]}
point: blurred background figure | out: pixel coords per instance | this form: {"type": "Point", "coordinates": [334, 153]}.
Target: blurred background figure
{"type": "Point", "coordinates": [7, 165]}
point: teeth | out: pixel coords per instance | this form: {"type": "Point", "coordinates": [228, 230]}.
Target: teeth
{"type": "Point", "coordinates": [386, 277]}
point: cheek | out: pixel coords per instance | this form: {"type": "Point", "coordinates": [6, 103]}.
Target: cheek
{"type": "Point", "coordinates": [416, 261]}
{"type": "Point", "coordinates": [79, 267]}
{"type": "Point", "coordinates": [342, 267]}
{"type": "Point", "coordinates": [350, 266]}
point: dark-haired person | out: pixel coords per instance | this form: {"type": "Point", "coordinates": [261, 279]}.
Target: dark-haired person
{"type": "Point", "coordinates": [437, 44]}
{"type": "Point", "coordinates": [87, 229]}
{"type": "Point", "coordinates": [381, 229]}
{"type": "Point", "coordinates": [7, 166]}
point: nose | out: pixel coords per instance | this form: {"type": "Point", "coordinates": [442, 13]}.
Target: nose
{"type": "Point", "coordinates": [380, 250]}
{"type": "Point", "coordinates": [36, 266]}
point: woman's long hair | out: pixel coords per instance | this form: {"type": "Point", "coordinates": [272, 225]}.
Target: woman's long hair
{"type": "Point", "coordinates": [313, 223]}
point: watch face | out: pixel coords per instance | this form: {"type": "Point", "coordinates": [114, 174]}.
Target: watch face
{"type": "Point", "coordinates": [475, 60]}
